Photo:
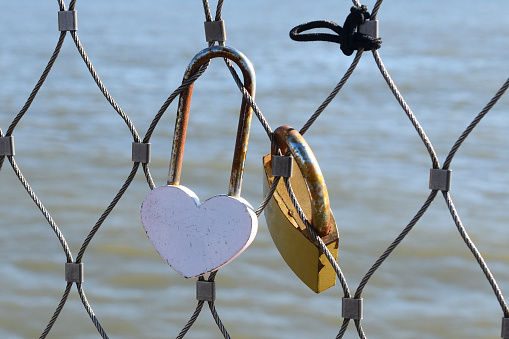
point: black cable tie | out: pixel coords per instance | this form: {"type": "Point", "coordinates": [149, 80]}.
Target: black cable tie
{"type": "Point", "coordinates": [347, 36]}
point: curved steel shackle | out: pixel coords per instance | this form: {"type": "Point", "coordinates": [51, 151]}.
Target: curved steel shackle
{"type": "Point", "coordinates": [288, 138]}
{"type": "Point", "coordinates": [246, 112]}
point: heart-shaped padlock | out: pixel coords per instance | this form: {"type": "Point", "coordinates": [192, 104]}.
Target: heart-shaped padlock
{"type": "Point", "coordinates": [197, 238]}
{"type": "Point", "coordinates": [296, 245]}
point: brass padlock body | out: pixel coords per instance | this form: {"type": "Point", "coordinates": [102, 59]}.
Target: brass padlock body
{"type": "Point", "coordinates": [296, 245]}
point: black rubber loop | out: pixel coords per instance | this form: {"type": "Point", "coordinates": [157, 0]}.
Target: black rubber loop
{"type": "Point", "coordinates": [295, 32]}
{"type": "Point", "coordinates": [346, 36]}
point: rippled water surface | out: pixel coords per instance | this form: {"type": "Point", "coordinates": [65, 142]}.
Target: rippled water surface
{"type": "Point", "coordinates": [447, 58]}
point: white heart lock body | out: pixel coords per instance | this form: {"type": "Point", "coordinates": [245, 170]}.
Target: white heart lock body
{"type": "Point", "coordinates": [197, 238]}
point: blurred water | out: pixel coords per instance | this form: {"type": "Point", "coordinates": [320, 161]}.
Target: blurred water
{"type": "Point", "coordinates": [448, 59]}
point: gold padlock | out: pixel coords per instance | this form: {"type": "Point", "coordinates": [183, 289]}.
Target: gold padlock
{"type": "Point", "coordinates": [295, 244]}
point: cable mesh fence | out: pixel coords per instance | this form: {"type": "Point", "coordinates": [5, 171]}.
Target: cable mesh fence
{"type": "Point", "coordinates": [439, 176]}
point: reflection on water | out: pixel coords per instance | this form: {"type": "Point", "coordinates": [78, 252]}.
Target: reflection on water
{"type": "Point", "coordinates": [75, 152]}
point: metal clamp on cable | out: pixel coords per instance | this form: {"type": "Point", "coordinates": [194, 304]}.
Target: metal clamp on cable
{"type": "Point", "coordinates": [205, 290]}
{"type": "Point", "coordinates": [370, 28]}
{"type": "Point", "coordinates": [282, 166]}
{"type": "Point", "coordinates": [7, 145]}
{"type": "Point", "coordinates": [74, 272]}
{"type": "Point", "coordinates": [352, 308]}
{"type": "Point", "coordinates": [440, 179]}
{"type": "Point", "coordinates": [215, 31]}
{"type": "Point", "coordinates": [141, 152]}
{"type": "Point", "coordinates": [505, 328]}
{"type": "Point", "coordinates": [67, 21]}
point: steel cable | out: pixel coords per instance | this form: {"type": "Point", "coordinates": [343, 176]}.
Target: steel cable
{"type": "Point", "coordinates": [57, 311]}
{"type": "Point", "coordinates": [480, 260]}
{"type": "Point", "coordinates": [39, 84]}
{"type": "Point", "coordinates": [333, 94]}
{"type": "Point", "coordinates": [43, 209]}
{"type": "Point", "coordinates": [191, 321]}
{"type": "Point", "coordinates": [434, 160]}
{"type": "Point", "coordinates": [90, 312]}
{"type": "Point", "coordinates": [474, 123]}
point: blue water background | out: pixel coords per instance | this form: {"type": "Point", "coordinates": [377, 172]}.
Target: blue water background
{"type": "Point", "coordinates": [447, 58]}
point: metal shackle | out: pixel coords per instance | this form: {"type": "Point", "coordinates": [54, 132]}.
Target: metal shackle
{"type": "Point", "coordinates": [246, 112]}
{"type": "Point", "coordinates": [288, 138]}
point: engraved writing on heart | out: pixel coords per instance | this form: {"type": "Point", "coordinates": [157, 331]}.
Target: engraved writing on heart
{"type": "Point", "coordinates": [197, 238]}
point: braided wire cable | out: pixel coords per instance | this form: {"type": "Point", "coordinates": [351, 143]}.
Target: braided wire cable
{"type": "Point", "coordinates": [344, 327]}
{"type": "Point", "coordinates": [250, 100]}
{"type": "Point", "coordinates": [148, 176]}
{"type": "Point", "coordinates": [218, 321]}
{"type": "Point", "coordinates": [480, 260]}
{"type": "Point", "coordinates": [395, 243]}
{"type": "Point", "coordinates": [198, 310]}
{"type": "Point", "coordinates": [108, 210]}
{"type": "Point", "coordinates": [57, 311]}
{"type": "Point", "coordinates": [90, 311]}
{"type": "Point", "coordinates": [61, 4]}
{"type": "Point", "coordinates": [474, 123]}
{"type": "Point", "coordinates": [376, 7]}
{"type": "Point", "coordinates": [32, 194]}
{"type": "Point", "coordinates": [39, 84]}
{"type": "Point", "coordinates": [406, 108]}
{"type": "Point", "coordinates": [267, 197]}
{"type": "Point", "coordinates": [356, 3]}
{"type": "Point", "coordinates": [208, 16]}
{"type": "Point", "coordinates": [72, 4]}
{"type": "Point", "coordinates": [43, 209]}
{"type": "Point", "coordinates": [162, 110]}
{"type": "Point", "coordinates": [126, 184]}
{"type": "Point", "coordinates": [459, 225]}
{"type": "Point", "coordinates": [219, 9]}
{"type": "Point", "coordinates": [208, 13]}
{"type": "Point", "coordinates": [360, 331]}
{"type": "Point", "coordinates": [103, 89]}
{"type": "Point", "coordinates": [447, 197]}
{"type": "Point", "coordinates": [206, 9]}
{"type": "Point", "coordinates": [212, 276]}
{"type": "Point", "coordinates": [333, 94]}
{"type": "Point", "coordinates": [170, 99]}
{"type": "Point", "coordinates": [191, 321]}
